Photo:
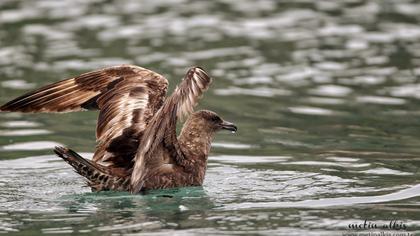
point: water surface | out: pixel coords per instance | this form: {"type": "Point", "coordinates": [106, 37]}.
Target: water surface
{"type": "Point", "coordinates": [325, 95]}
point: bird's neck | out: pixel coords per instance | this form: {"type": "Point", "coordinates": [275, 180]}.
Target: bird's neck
{"type": "Point", "coordinates": [196, 140]}
{"type": "Point", "coordinates": [195, 143]}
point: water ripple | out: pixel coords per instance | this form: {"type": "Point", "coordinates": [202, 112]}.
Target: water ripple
{"type": "Point", "coordinates": [314, 111]}
{"type": "Point", "coordinates": [411, 192]}
{"type": "Point", "coordinates": [24, 132]}
{"type": "Point", "coordinates": [27, 146]}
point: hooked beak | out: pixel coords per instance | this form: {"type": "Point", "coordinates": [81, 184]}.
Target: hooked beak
{"type": "Point", "coordinates": [229, 126]}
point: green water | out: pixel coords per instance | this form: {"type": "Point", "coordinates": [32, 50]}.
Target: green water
{"type": "Point", "coordinates": [325, 95]}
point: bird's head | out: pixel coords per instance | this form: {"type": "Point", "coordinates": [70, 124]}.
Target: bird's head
{"type": "Point", "coordinates": [211, 122]}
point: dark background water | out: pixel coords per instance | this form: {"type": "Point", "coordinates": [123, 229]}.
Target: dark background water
{"type": "Point", "coordinates": [325, 95]}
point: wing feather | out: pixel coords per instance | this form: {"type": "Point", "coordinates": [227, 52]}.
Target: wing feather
{"type": "Point", "coordinates": [78, 90]}
{"type": "Point", "coordinates": [127, 97]}
{"type": "Point", "coordinates": [162, 127]}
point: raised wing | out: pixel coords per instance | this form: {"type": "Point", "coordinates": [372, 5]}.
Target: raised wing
{"type": "Point", "coordinates": [161, 130]}
{"type": "Point", "coordinates": [127, 97]}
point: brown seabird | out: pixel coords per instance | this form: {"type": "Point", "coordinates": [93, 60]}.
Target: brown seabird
{"type": "Point", "coordinates": [137, 145]}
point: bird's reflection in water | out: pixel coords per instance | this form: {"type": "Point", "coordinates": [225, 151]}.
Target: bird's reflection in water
{"type": "Point", "coordinates": [155, 210]}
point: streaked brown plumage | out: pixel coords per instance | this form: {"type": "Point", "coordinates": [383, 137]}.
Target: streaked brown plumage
{"type": "Point", "coordinates": [138, 148]}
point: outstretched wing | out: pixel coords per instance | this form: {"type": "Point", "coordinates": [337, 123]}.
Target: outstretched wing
{"type": "Point", "coordinates": [162, 127]}
{"type": "Point", "coordinates": [127, 97]}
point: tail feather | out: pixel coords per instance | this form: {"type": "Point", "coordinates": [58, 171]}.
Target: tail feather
{"type": "Point", "coordinates": [97, 176]}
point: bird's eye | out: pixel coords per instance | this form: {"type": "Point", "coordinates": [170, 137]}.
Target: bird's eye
{"type": "Point", "coordinates": [216, 119]}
